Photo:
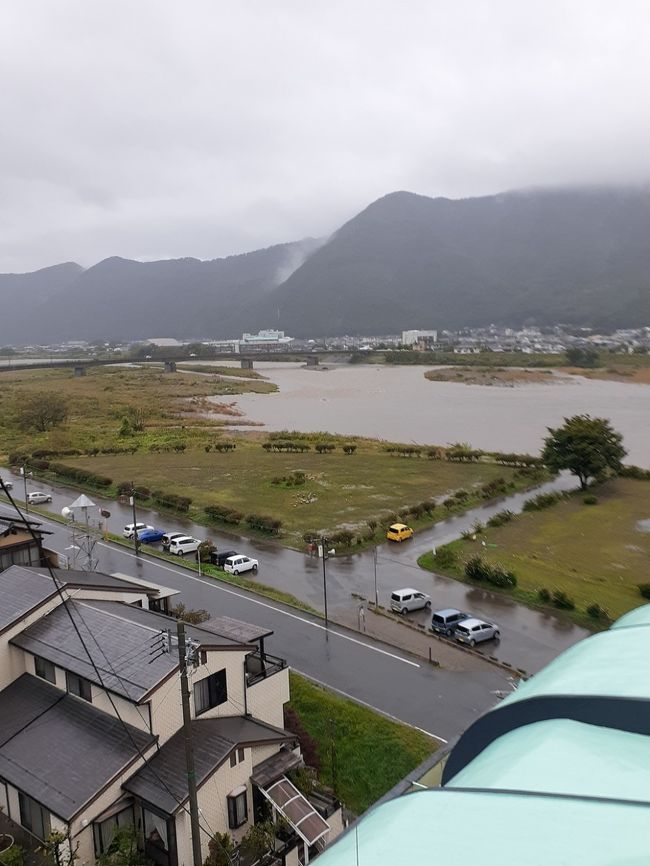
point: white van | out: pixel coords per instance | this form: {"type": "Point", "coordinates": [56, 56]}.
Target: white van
{"type": "Point", "coordinates": [406, 600]}
{"type": "Point", "coordinates": [184, 544]}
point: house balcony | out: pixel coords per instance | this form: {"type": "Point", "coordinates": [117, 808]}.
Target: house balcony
{"type": "Point", "coordinates": [259, 666]}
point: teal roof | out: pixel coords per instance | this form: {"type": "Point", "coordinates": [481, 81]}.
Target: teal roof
{"type": "Point", "coordinates": [563, 757]}
{"type": "Point", "coordinates": [614, 663]}
{"type": "Point", "coordinates": [494, 829]}
{"type": "Point", "coordinates": [638, 616]}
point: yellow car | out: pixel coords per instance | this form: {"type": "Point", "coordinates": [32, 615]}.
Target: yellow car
{"type": "Point", "coordinates": [399, 532]}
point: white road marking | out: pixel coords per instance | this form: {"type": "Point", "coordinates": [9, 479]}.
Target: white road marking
{"type": "Point", "coordinates": [248, 598]}
{"type": "Point", "coordinates": [367, 705]}
{"type": "Point", "coordinates": [265, 604]}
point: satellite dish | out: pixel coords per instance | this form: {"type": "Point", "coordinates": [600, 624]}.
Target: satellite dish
{"type": "Point", "coordinates": [67, 512]}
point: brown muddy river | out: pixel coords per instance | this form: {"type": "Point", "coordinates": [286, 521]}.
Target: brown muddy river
{"type": "Point", "coordinates": [399, 404]}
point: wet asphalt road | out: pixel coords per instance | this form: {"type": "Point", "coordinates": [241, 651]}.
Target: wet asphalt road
{"type": "Point", "coordinates": [529, 639]}
{"type": "Point", "coordinates": [439, 702]}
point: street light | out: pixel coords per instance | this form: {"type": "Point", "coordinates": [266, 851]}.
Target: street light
{"type": "Point", "coordinates": [325, 554]}
{"type": "Point", "coordinates": [25, 474]}
{"type": "Point", "coordinates": [136, 540]}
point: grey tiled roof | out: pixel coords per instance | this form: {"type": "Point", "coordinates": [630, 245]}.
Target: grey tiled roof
{"type": "Point", "coordinates": [21, 589]}
{"type": "Point", "coordinates": [59, 749]}
{"type": "Point", "coordinates": [124, 644]}
{"type": "Point", "coordinates": [97, 579]}
{"type": "Point", "coordinates": [213, 739]}
{"type": "Point", "coordinates": [119, 636]}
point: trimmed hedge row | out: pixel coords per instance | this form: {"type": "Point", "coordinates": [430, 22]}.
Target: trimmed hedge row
{"type": "Point", "coordinates": [171, 500]}
{"type": "Point", "coordinates": [477, 569]}
{"type": "Point", "coordinates": [81, 476]}
{"type": "Point", "coordinates": [224, 514]}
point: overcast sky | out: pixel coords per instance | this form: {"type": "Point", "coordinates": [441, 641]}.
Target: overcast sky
{"type": "Point", "coordinates": [155, 129]}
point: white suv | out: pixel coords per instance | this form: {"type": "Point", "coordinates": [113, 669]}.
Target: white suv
{"type": "Point", "coordinates": [184, 544]}
{"type": "Point", "coordinates": [236, 564]}
{"type": "Point", "coordinates": [127, 532]}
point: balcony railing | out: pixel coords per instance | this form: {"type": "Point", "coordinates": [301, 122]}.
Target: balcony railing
{"type": "Point", "coordinates": [259, 667]}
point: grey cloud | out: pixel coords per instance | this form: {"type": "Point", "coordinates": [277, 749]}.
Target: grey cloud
{"type": "Point", "coordinates": [158, 129]}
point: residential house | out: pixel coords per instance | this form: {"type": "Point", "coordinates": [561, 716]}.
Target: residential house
{"type": "Point", "coordinates": [21, 542]}
{"type": "Point", "coordinates": [88, 745]}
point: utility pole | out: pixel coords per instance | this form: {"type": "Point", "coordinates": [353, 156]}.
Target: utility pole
{"type": "Point", "coordinates": [23, 472]}
{"type": "Point", "coordinates": [136, 540]}
{"type": "Point", "coordinates": [374, 558]}
{"type": "Point", "coordinates": [189, 747]}
{"type": "Point", "coordinates": [323, 552]}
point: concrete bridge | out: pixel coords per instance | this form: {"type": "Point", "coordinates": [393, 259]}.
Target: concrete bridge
{"type": "Point", "coordinates": [80, 365]}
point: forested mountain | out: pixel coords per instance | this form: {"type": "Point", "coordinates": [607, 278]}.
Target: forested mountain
{"type": "Point", "coordinates": [580, 256]}
{"type": "Point", "coordinates": [538, 256]}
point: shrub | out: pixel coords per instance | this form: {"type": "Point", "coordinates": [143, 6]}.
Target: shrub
{"type": "Point", "coordinates": [14, 856]}
{"type": "Point", "coordinates": [224, 446]}
{"type": "Point", "coordinates": [343, 538]}
{"type": "Point", "coordinates": [542, 500]}
{"type": "Point", "coordinates": [449, 503]}
{"type": "Point", "coordinates": [590, 499]}
{"type": "Point", "coordinates": [500, 518]}
{"type": "Point", "coordinates": [631, 472]}
{"type": "Point", "coordinates": [308, 745]}
{"type": "Point", "coordinates": [264, 524]}
{"type": "Point", "coordinates": [644, 589]}
{"type": "Point", "coordinates": [324, 447]}
{"type": "Point", "coordinates": [493, 488]}
{"type": "Point", "coordinates": [348, 449]}
{"type": "Point", "coordinates": [445, 556]}
{"type": "Point", "coordinates": [476, 569]}
{"type": "Point", "coordinates": [595, 611]}
{"type": "Point", "coordinates": [171, 500]}
{"type": "Point", "coordinates": [562, 601]}
{"type": "Point", "coordinates": [223, 513]}
{"type": "Point", "coordinates": [372, 524]}
{"type": "Point", "coordinates": [544, 595]}
{"type": "Point", "coordinates": [477, 528]}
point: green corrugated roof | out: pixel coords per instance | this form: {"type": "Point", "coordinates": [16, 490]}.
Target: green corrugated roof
{"type": "Point", "coordinates": [639, 616]}
{"type": "Point", "coordinates": [494, 829]}
{"type": "Point", "coordinates": [614, 662]}
{"type": "Point", "coordinates": [563, 757]}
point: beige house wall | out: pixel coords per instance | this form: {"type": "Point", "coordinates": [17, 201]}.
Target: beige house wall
{"type": "Point", "coordinates": [6, 668]}
{"type": "Point", "coordinates": [214, 807]}
{"type": "Point", "coordinates": [233, 662]}
{"type": "Point", "coordinates": [266, 699]}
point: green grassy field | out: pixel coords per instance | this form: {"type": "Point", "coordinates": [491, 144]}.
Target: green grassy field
{"type": "Point", "coordinates": [340, 490]}
{"type": "Point", "coordinates": [594, 553]}
{"type": "Point", "coordinates": [371, 753]}
{"type": "Point", "coordinates": [171, 404]}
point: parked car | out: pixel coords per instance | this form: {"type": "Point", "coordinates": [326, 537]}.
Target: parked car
{"type": "Point", "coordinates": [37, 497]}
{"type": "Point", "coordinates": [127, 532]}
{"type": "Point", "coordinates": [237, 564]}
{"type": "Point", "coordinates": [406, 600]}
{"type": "Point", "coordinates": [150, 536]}
{"type": "Point", "coordinates": [473, 631]}
{"type": "Point", "coordinates": [445, 621]}
{"type": "Point", "coordinates": [184, 544]}
{"type": "Point", "coordinates": [168, 537]}
{"type": "Point", "coordinates": [8, 484]}
{"type": "Point", "coordinates": [218, 557]}
{"type": "Point", "coordinates": [399, 532]}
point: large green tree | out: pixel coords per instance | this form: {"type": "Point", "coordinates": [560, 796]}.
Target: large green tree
{"type": "Point", "coordinates": [588, 447]}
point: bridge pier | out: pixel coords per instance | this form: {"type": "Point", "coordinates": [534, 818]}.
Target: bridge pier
{"type": "Point", "coordinates": [247, 363]}
{"type": "Point", "coordinates": [170, 366]}
{"type": "Point", "coordinates": [312, 360]}
{"type": "Point", "coordinates": [79, 370]}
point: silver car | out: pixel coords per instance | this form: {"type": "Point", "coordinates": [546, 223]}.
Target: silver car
{"type": "Point", "coordinates": [473, 631]}
{"type": "Point", "coordinates": [37, 497]}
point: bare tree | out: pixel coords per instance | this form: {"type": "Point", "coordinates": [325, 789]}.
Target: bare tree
{"type": "Point", "coordinates": [43, 410]}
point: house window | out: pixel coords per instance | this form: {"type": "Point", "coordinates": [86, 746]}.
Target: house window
{"type": "Point", "coordinates": [237, 807]}
{"type": "Point", "coordinates": [78, 686]}
{"type": "Point", "coordinates": [155, 830]}
{"type": "Point", "coordinates": [105, 831]}
{"type": "Point", "coordinates": [233, 759]}
{"type": "Point", "coordinates": [44, 669]}
{"type": "Point", "coordinates": [34, 816]}
{"type": "Point", "coordinates": [240, 755]}
{"type": "Point", "coordinates": [210, 692]}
